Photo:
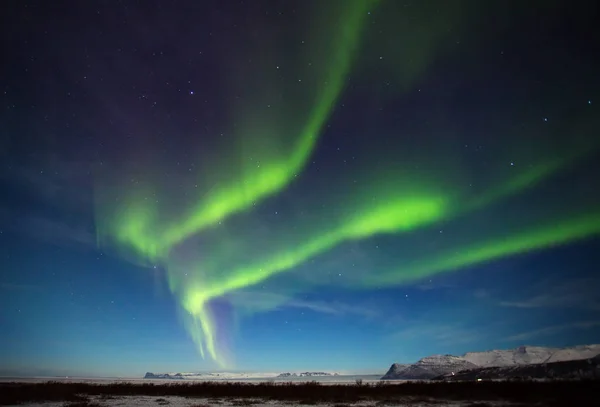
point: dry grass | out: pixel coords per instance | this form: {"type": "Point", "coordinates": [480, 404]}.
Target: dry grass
{"type": "Point", "coordinates": [552, 393]}
{"type": "Point", "coordinates": [83, 403]}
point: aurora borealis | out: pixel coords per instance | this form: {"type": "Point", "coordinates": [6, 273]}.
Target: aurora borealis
{"type": "Point", "coordinates": [359, 165]}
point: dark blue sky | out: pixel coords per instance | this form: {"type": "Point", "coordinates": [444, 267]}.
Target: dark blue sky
{"type": "Point", "coordinates": [489, 109]}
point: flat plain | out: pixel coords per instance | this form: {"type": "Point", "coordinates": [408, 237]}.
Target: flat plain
{"type": "Point", "coordinates": [90, 393]}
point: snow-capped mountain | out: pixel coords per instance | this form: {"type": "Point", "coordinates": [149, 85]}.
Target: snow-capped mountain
{"type": "Point", "coordinates": [150, 375]}
{"type": "Point", "coordinates": [572, 369]}
{"type": "Point", "coordinates": [210, 376]}
{"type": "Point", "coordinates": [307, 374]}
{"type": "Point", "coordinates": [428, 367]}
{"type": "Point", "coordinates": [395, 371]}
{"type": "Point", "coordinates": [527, 355]}
{"type": "Point", "coordinates": [436, 365]}
{"type": "Point", "coordinates": [523, 355]}
{"type": "Point", "coordinates": [232, 375]}
{"type": "Point", "coordinates": [574, 353]}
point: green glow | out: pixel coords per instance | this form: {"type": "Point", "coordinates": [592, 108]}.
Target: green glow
{"type": "Point", "coordinates": [202, 330]}
{"type": "Point", "coordinates": [124, 216]}
{"type": "Point", "coordinates": [539, 238]}
{"type": "Point", "coordinates": [530, 177]}
{"type": "Point", "coordinates": [139, 225]}
{"type": "Point", "coordinates": [266, 161]}
{"type": "Point", "coordinates": [264, 180]}
{"type": "Point", "coordinates": [392, 213]}
{"type": "Point", "coordinates": [390, 217]}
{"type": "Point", "coordinates": [402, 193]}
{"type": "Point", "coordinates": [416, 34]}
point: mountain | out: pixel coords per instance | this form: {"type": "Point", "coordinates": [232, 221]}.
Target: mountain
{"type": "Point", "coordinates": [150, 375]}
{"type": "Point", "coordinates": [522, 355]}
{"type": "Point", "coordinates": [428, 368]}
{"type": "Point", "coordinates": [231, 375]}
{"type": "Point", "coordinates": [395, 371]}
{"type": "Point", "coordinates": [437, 365]}
{"type": "Point", "coordinates": [210, 376]}
{"type": "Point", "coordinates": [526, 355]}
{"type": "Point", "coordinates": [572, 369]}
{"type": "Point", "coordinates": [307, 374]}
{"type": "Point", "coordinates": [574, 353]}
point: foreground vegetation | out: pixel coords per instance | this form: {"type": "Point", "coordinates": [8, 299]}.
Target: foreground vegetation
{"type": "Point", "coordinates": [549, 393]}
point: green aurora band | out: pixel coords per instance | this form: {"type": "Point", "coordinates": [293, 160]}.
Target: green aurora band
{"type": "Point", "coordinates": [544, 236]}
{"type": "Point", "coordinates": [265, 172]}
{"type": "Point", "coordinates": [390, 200]}
{"type": "Point", "coordinates": [136, 223]}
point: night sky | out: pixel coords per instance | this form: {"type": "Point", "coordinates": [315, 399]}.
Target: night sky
{"type": "Point", "coordinates": [295, 185]}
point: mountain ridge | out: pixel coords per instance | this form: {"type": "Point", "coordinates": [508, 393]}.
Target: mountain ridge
{"type": "Point", "coordinates": [439, 365]}
{"type": "Point", "coordinates": [566, 370]}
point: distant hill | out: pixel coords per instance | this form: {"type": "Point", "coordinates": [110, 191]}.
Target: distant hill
{"type": "Point", "coordinates": [307, 374]}
{"type": "Point", "coordinates": [150, 375]}
{"type": "Point", "coordinates": [231, 375]}
{"type": "Point", "coordinates": [209, 376]}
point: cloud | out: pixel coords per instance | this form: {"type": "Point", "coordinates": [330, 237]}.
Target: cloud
{"type": "Point", "coordinates": [577, 293]}
{"type": "Point", "coordinates": [19, 287]}
{"type": "Point", "coordinates": [258, 301]}
{"type": "Point", "coordinates": [58, 232]}
{"type": "Point", "coordinates": [447, 334]}
{"type": "Point", "coordinates": [53, 230]}
{"type": "Point", "coordinates": [335, 308]}
{"type": "Point", "coordinates": [49, 199]}
{"type": "Point", "coordinates": [481, 294]}
{"type": "Point", "coordinates": [435, 285]}
{"type": "Point", "coordinates": [554, 329]}
{"type": "Point", "coordinates": [54, 181]}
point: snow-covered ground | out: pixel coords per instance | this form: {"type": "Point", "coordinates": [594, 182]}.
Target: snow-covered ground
{"type": "Point", "coordinates": [215, 376]}
{"type": "Point", "coordinates": [341, 379]}
{"type": "Point", "coordinates": [173, 401]}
